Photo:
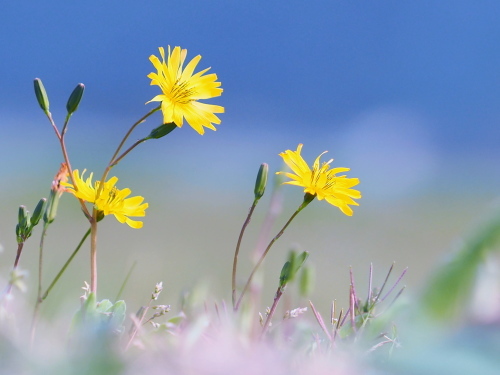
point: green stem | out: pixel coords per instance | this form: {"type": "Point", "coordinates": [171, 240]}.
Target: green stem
{"type": "Point", "coordinates": [93, 254]}
{"type": "Point", "coordinates": [118, 159]}
{"type": "Point", "coordinates": [38, 302]}
{"type": "Point", "coordinates": [16, 262]}
{"type": "Point", "coordinates": [120, 292]}
{"type": "Point", "coordinates": [113, 161]}
{"type": "Point", "coordinates": [307, 199]}
{"type": "Point", "coordinates": [235, 261]}
{"type": "Point", "coordinates": [60, 137]}
{"type": "Point", "coordinates": [40, 297]}
{"type": "Point", "coordinates": [58, 276]}
{"type": "Point", "coordinates": [279, 293]}
{"type": "Point", "coordinates": [40, 262]}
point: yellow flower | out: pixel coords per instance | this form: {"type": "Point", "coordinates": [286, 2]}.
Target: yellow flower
{"type": "Point", "coordinates": [322, 181]}
{"type": "Point", "coordinates": [182, 89]}
{"type": "Point", "coordinates": [111, 200]}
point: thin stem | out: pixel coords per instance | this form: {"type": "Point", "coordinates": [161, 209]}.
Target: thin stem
{"type": "Point", "coordinates": [58, 276]}
{"type": "Point", "coordinates": [279, 293]}
{"type": "Point", "coordinates": [395, 284]}
{"type": "Point", "coordinates": [16, 262]}
{"type": "Point", "coordinates": [40, 263]}
{"type": "Point", "coordinates": [125, 281]}
{"type": "Point", "coordinates": [60, 137]}
{"type": "Point", "coordinates": [384, 284]}
{"type": "Point", "coordinates": [93, 254]}
{"type": "Point", "coordinates": [18, 255]}
{"type": "Point", "coordinates": [235, 261]}
{"type": "Point", "coordinates": [137, 323]}
{"type": "Point", "coordinates": [118, 159]}
{"type": "Point", "coordinates": [320, 321]}
{"type": "Point", "coordinates": [113, 161]}
{"type": "Point", "coordinates": [34, 320]}
{"type": "Point", "coordinates": [261, 259]}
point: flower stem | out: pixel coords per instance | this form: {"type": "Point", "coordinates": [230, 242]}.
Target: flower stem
{"type": "Point", "coordinates": [93, 253]}
{"type": "Point", "coordinates": [279, 293]}
{"type": "Point", "coordinates": [118, 159]}
{"type": "Point", "coordinates": [16, 262]}
{"type": "Point", "coordinates": [58, 276]}
{"type": "Point", "coordinates": [40, 297]}
{"type": "Point", "coordinates": [60, 137]}
{"type": "Point", "coordinates": [235, 261]}
{"type": "Point", "coordinates": [40, 263]}
{"type": "Point", "coordinates": [114, 160]}
{"type": "Point", "coordinates": [307, 199]}
{"type": "Point", "coordinates": [38, 302]}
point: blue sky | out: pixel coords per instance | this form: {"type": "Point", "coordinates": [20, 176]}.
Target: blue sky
{"type": "Point", "coordinates": [412, 85]}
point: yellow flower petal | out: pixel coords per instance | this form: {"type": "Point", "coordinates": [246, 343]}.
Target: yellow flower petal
{"type": "Point", "coordinates": [111, 200]}
{"type": "Point", "coordinates": [321, 181]}
{"type": "Point", "coordinates": [181, 90]}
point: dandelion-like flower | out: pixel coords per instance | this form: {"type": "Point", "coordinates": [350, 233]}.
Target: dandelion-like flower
{"type": "Point", "coordinates": [321, 181]}
{"type": "Point", "coordinates": [111, 200]}
{"type": "Point", "coordinates": [182, 89]}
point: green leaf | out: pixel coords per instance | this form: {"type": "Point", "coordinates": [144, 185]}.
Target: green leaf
{"type": "Point", "coordinates": [452, 283]}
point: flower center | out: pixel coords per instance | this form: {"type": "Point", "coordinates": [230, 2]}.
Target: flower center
{"type": "Point", "coordinates": [181, 92]}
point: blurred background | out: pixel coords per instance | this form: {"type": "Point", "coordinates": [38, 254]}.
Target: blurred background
{"type": "Point", "coordinates": [403, 93]}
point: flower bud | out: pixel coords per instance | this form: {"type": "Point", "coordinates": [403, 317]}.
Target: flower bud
{"type": "Point", "coordinates": [19, 236]}
{"type": "Point", "coordinates": [41, 95]}
{"type": "Point", "coordinates": [161, 131]}
{"type": "Point", "coordinates": [22, 214]}
{"type": "Point", "coordinates": [292, 266]}
{"type": "Point", "coordinates": [51, 207]}
{"type": "Point", "coordinates": [23, 228]}
{"type": "Point", "coordinates": [261, 181]}
{"type": "Point", "coordinates": [285, 274]}
{"type": "Point", "coordinates": [38, 212]}
{"type": "Point", "coordinates": [75, 98]}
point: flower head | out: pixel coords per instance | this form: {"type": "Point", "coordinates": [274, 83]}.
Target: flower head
{"type": "Point", "coordinates": [111, 200]}
{"type": "Point", "coordinates": [321, 181]}
{"type": "Point", "coordinates": [182, 89]}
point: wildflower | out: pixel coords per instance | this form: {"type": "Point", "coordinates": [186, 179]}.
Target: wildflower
{"type": "Point", "coordinates": [111, 200]}
{"type": "Point", "coordinates": [321, 181]}
{"type": "Point", "coordinates": [182, 89]}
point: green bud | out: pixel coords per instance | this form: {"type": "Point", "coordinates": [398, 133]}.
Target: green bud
{"type": "Point", "coordinates": [51, 208]}
{"type": "Point", "coordinates": [292, 266]}
{"type": "Point", "coordinates": [285, 274]}
{"type": "Point", "coordinates": [306, 281]}
{"type": "Point", "coordinates": [23, 228]}
{"type": "Point", "coordinates": [261, 181]}
{"type": "Point", "coordinates": [22, 214]}
{"type": "Point", "coordinates": [19, 236]}
{"type": "Point", "coordinates": [41, 95]}
{"type": "Point", "coordinates": [75, 98]}
{"type": "Point", "coordinates": [161, 131]}
{"type": "Point", "coordinates": [38, 212]}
